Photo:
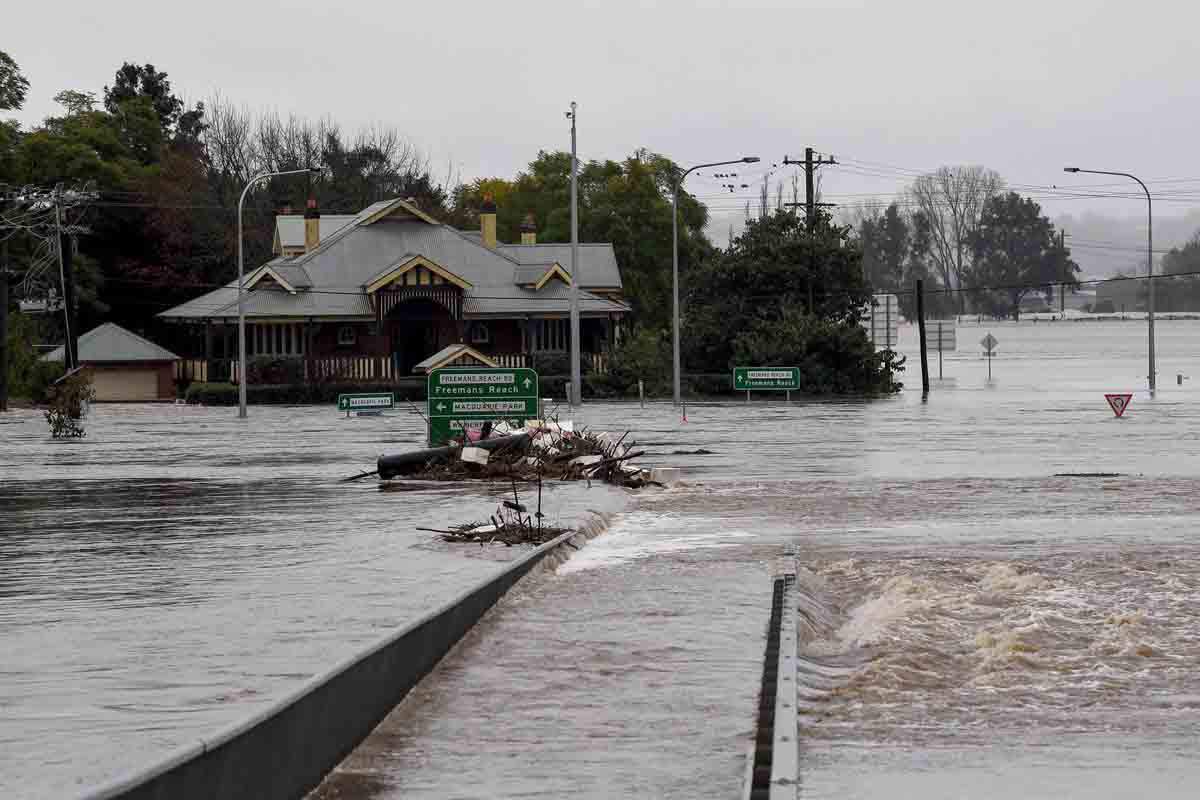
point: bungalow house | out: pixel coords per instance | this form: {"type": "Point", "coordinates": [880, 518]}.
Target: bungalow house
{"type": "Point", "coordinates": [370, 297]}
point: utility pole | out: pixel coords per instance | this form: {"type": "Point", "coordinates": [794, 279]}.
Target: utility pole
{"type": "Point", "coordinates": [1062, 289]}
{"type": "Point", "coordinates": [810, 165]}
{"type": "Point", "coordinates": [65, 257]}
{"type": "Point", "coordinates": [576, 377]}
{"type": "Point", "coordinates": [4, 324]}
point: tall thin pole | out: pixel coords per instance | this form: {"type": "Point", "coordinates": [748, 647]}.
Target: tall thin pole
{"type": "Point", "coordinates": [4, 325]}
{"type": "Point", "coordinates": [243, 373]}
{"type": "Point", "coordinates": [1149, 263]}
{"type": "Point", "coordinates": [675, 393]}
{"type": "Point", "coordinates": [576, 377]}
{"type": "Point", "coordinates": [921, 331]}
{"type": "Point", "coordinates": [675, 380]}
{"type": "Point", "coordinates": [1062, 289]}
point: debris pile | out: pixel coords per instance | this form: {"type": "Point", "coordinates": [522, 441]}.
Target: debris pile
{"type": "Point", "coordinates": [511, 524]}
{"type": "Point", "coordinates": [541, 450]}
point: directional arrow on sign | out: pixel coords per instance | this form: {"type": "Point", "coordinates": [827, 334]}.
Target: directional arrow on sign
{"type": "Point", "coordinates": [741, 379]}
{"type": "Point", "coordinates": [441, 406]}
{"type": "Point", "coordinates": [528, 383]}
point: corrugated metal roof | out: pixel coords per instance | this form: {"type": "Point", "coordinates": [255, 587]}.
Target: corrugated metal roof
{"type": "Point", "coordinates": [358, 252]}
{"type": "Point", "coordinates": [295, 275]}
{"type": "Point", "coordinates": [111, 342]}
{"type": "Point", "coordinates": [289, 228]}
{"type": "Point", "coordinates": [553, 298]}
{"type": "Point", "coordinates": [597, 262]}
{"type": "Point", "coordinates": [451, 353]}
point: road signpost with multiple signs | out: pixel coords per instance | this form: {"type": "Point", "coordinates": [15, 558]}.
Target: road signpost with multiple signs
{"type": "Point", "coordinates": [882, 321]}
{"type": "Point", "coordinates": [766, 379]}
{"type": "Point", "coordinates": [464, 398]}
{"type": "Point", "coordinates": [989, 343]}
{"type": "Point", "coordinates": [942, 336]}
{"type": "Point", "coordinates": [366, 404]}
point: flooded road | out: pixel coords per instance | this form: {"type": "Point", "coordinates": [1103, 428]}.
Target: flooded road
{"type": "Point", "coordinates": [989, 617]}
{"type": "Point", "coordinates": [976, 613]}
{"type": "Point", "coordinates": [178, 569]}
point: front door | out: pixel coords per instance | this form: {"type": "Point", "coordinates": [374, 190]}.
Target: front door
{"type": "Point", "coordinates": [413, 341]}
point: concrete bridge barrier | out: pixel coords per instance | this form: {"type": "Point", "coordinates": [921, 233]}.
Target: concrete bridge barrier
{"type": "Point", "coordinates": [286, 749]}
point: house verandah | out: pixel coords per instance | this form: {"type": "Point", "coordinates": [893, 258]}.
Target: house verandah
{"type": "Point", "coordinates": [391, 288]}
{"type": "Point", "coordinates": [356, 351]}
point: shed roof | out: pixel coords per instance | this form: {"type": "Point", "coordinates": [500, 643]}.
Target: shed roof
{"type": "Point", "coordinates": [448, 355]}
{"type": "Point", "coordinates": [110, 342]}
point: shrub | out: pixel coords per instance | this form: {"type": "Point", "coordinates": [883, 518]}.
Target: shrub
{"type": "Point", "coordinates": [275, 370]}
{"type": "Point", "coordinates": [68, 400]}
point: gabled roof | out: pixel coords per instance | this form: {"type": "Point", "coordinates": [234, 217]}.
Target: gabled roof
{"type": "Point", "coordinates": [289, 229]}
{"type": "Point", "coordinates": [448, 355]}
{"type": "Point", "coordinates": [111, 342]}
{"type": "Point", "coordinates": [539, 275]}
{"type": "Point", "coordinates": [597, 262]}
{"type": "Point", "coordinates": [291, 277]}
{"type": "Point", "coordinates": [409, 262]}
{"type": "Point", "coordinates": [384, 238]}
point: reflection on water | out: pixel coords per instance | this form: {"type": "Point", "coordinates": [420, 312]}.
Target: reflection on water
{"type": "Point", "coordinates": [157, 584]}
{"type": "Point", "coordinates": [977, 624]}
{"type": "Point", "coordinates": [973, 613]}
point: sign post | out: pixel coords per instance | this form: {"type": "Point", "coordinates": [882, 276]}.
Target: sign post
{"type": "Point", "coordinates": [464, 398]}
{"type": "Point", "coordinates": [766, 379]}
{"type": "Point", "coordinates": [944, 336]}
{"type": "Point", "coordinates": [366, 404]}
{"type": "Point", "coordinates": [989, 343]}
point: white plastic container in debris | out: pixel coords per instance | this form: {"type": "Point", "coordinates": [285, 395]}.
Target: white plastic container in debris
{"type": "Point", "coordinates": [667, 476]}
{"type": "Point", "coordinates": [474, 455]}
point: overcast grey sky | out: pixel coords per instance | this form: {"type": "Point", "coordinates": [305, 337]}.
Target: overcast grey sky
{"type": "Point", "coordinates": [889, 88]}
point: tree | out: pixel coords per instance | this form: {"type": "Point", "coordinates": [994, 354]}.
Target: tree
{"type": "Point", "coordinates": [627, 203]}
{"type": "Point", "coordinates": [13, 85]}
{"type": "Point", "coordinates": [952, 200]}
{"type": "Point", "coordinates": [133, 81]}
{"type": "Point", "coordinates": [1015, 251]}
{"type": "Point", "coordinates": [750, 305]}
{"type": "Point", "coordinates": [75, 101]}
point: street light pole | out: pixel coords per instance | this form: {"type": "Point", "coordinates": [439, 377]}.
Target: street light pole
{"type": "Point", "coordinates": [1149, 259]}
{"type": "Point", "coordinates": [242, 371]}
{"type": "Point", "coordinates": [576, 397]}
{"type": "Point", "coordinates": [675, 265]}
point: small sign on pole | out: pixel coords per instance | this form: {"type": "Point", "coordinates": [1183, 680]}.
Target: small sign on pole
{"type": "Point", "coordinates": [989, 343]}
{"type": "Point", "coordinates": [1118, 402]}
{"type": "Point", "coordinates": [366, 404]}
{"type": "Point", "coordinates": [766, 379]}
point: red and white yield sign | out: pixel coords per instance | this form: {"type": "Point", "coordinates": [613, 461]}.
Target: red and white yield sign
{"type": "Point", "coordinates": [1118, 402]}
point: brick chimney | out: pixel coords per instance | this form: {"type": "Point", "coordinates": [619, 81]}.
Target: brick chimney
{"type": "Point", "coordinates": [312, 225]}
{"type": "Point", "coordinates": [487, 221]}
{"type": "Point", "coordinates": [528, 230]}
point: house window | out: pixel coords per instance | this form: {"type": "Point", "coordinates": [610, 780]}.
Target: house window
{"type": "Point", "coordinates": [479, 333]}
{"type": "Point", "coordinates": [347, 335]}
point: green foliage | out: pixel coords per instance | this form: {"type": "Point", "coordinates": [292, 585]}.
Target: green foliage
{"type": "Point", "coordinates": [784, 295]}
{"type": "Point", "coordinates": [626, 203]}
{"type": "Point", "coordinates": [643, 355]}
{"type": "Point", "coordinates": [1014, 247]}
{"type": "Point", "coordinates": [68, 399]}
{"type": "Point", "coordinates": [13, 85]}
{"type": "Point", "coordinates": [134, 82]}
{"type": "Point", "coordinates": [275, 370]}
{"type": "Point", "coordinates": [833, 357]}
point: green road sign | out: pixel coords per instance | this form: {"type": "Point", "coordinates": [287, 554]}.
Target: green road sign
{"type": "Point", "coordinates": [778, 379]}
{"type": "Point", "coordinates": [382, 401]}
{"type": "Point", "coordinates": [461, 398]}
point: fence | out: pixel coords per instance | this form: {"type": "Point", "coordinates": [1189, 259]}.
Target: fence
{"type": "Point", "coordinates": [356, 369]}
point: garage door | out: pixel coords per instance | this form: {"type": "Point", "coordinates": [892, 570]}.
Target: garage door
{"type": "Point", "coordinates": [125, 385]}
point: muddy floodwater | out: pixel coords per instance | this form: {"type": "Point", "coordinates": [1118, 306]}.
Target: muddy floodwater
{"type": "Point", "coordinates": [998, 588]}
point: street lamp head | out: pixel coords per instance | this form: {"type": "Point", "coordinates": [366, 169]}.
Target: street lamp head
{"type": "Point", "coordinates": [1070, 169]}
{"type": "Point", "coordinates": [751, 160]}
